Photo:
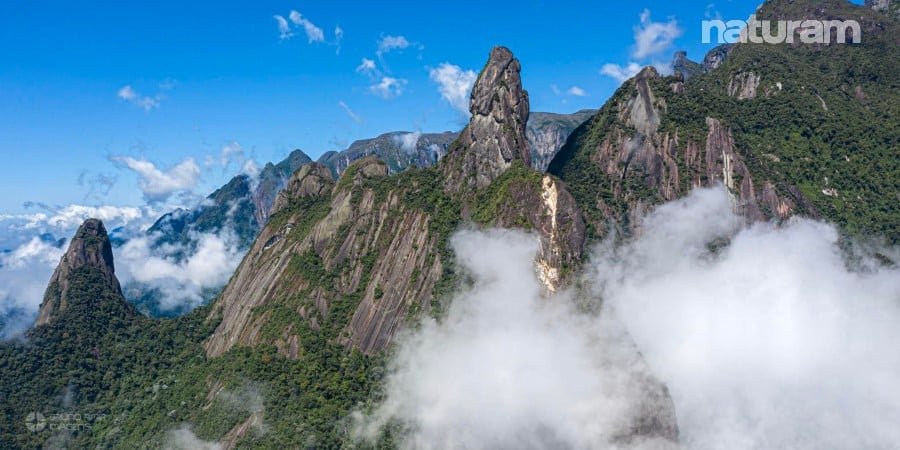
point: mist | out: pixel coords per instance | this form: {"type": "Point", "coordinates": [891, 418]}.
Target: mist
{"type": "Point", "coordinates": [765, 336]}
{"type": "Point", "coordinates": [771, 342]}
{"type": "Point", "coordinates": [511, 368]}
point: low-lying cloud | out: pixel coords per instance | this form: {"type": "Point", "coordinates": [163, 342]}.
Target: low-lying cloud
{"type": "Point", "coordinates": [765, 336]}
{"type": "Point", "coordinates": [510, 368]}
{"type": "Point", "coordinates": [770, 343]}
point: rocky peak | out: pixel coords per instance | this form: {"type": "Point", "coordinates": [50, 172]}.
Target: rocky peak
{"type": "Point", "coordinates": [495, 136]}
{"type": "Point", "coordinates": [643, 111]}
{"type": "Point", "coordinates": [312, 180]}
{"type": "Point", "coordinates": [90, 248]}
{"type": "Point", "coordinates": [683, 66]}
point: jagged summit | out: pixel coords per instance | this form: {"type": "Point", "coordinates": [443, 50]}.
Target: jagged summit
{"type": "Point", "coordinates": [495, 136]}
{"type": "Point", "coordinates": [313, 179]}
{"type": "Point", "coordinates": [90, 250]}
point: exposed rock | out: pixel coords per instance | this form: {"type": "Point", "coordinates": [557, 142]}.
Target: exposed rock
{"type": "Point", "coordinates": [90, 248]}
{"type": "Point", "coordinates": [743, 85]}
{"type": "Point", "coordinates": [399, 150]}
{"type": "Point", "coordinates": [879, 5]}
{"type": "Point", "coordinates": [495, 136]}
{"type": "Point", "coordinates": [643, 108]}
{"type": "Point", "coordinates": [715, 57]}
{"type": "Point", "coordinates": [684, 67]}
{"type": "Point", "coordinates": [311, 180]}
{"type": "Point", "coordinates": [547, 133]}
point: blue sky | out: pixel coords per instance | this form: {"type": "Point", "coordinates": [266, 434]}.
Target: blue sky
{"type": "Point", "coordinates": [99, 102]}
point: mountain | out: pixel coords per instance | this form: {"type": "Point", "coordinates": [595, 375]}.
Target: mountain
{"type": "Point", "coordinates": [303, 335]}
{"type": "Point", "coordinates": [684, 67]}
{"type": "Point", "coordinates": [87, 341]}
{"type": "Point", "coordinates": [789, 129]}
{"type": "Point", "coordinates": [89, 255]}
{"type": "Point", "coordinates": [399, 150]}
{"type": "Point", "coordinates": [243, 204]}
{"type": "Point", "coordinates": [547, 132]}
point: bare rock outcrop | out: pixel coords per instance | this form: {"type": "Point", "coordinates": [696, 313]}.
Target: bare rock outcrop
{"type": "Point", "coordinates": [495, 136]}
{"type": "Point", "coordinates": [744, 85]}
{"type": "Point", "coordinates": [311, 180]}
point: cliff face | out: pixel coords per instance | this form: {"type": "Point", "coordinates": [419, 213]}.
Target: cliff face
{"type": "Point", "coordinates": [90, 250]}
{"type": "Point", "coordinates": [759, 125]}
{"type": "Point", "coordinates": [495, 136]}
{"type": "Point", "coordinates": [547, 132]}
{"type": "Point", "coordinates": [352, 261]}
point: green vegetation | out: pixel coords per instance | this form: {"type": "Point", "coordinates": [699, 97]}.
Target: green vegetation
{"type": "Point", "coordinates": [830, 129]}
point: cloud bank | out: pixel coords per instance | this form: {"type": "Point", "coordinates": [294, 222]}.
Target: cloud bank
{"type": "Point", "coordinates": [765, 335]}
{"type": "Point", "coordinates": [509, 368]}
{"type": "Point", "coordinates": [772, 342]}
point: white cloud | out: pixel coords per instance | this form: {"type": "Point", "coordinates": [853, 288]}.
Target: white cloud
{"type": "Point", "coordinates": [576, 91]}
{"type": "Point", "coordinates": [183, 438]}
{"type": "Point", "coordinates": [158, 185]}
{"type": "Point", "coordinates": [408, 141]}
{"type": "Point", "coordinates": [508, 367]}
{"type": "Point", "coordinates": [366, 66]}
{"type": "Point", "coordinates": [772, 342]}
{"type": "Point", "coordinates": [338, 38]}
{"type": "Point", "coordinates": [313, 33]}
{"type": "Point", "coordinates": [207, 265]}
{"type": "Point", "coordinates": [26, 268]}
{"type": "Point", "coordinates": [652, 38]}
{"type": "Point", "coordinates": [284, 28]}
{"type": "Point", "coordinates": [621, 73]}
{"type": "Point", "coordinates": [455, 85]}
{"type": "Point", "coordinates": [388, 87]}
{"type": "Point", "coordinates": [353, 116]}
{"type": "Point", "coordinates": [231, 152]}
{"type": "Point", "coordinates": [555, 89]}
{"type": "Point", "coordinates": [390, 43]}
{"type": "Point", "coordinates": [128, 94]}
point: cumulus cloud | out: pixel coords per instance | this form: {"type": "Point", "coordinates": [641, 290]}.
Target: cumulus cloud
{"type": "Point", "coordinates": [770, 341]}
{"type": "Point", "coordinates": [765, 335]}
{"type": "Point", "coordinates": [652, 38]}
{"type": "Point", "coordinates": [508, 367]}
{"type": "Point", "coordinates": [33, 245]}
{"type": "Point", "coordinates": [455, 85]}
{"type": "Point", "coordinates": [159, 185]}
{"type": "Point", "coordinates": [408, 141]}
{"type": "Point", "coordinates": [389, 43]}
{"type": "Point", "coordinates": [313, 33]}
{"type": "Point", "coordinates": [181, 273]}
{"type": "Point", "coordinates": [24, 273]}
{"type": "Point", "coordinates": [621, 73]}
{"type": "Point", "coordinates": [388, 87]}
{"type": "Point", "coordinates": [352, 115]}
